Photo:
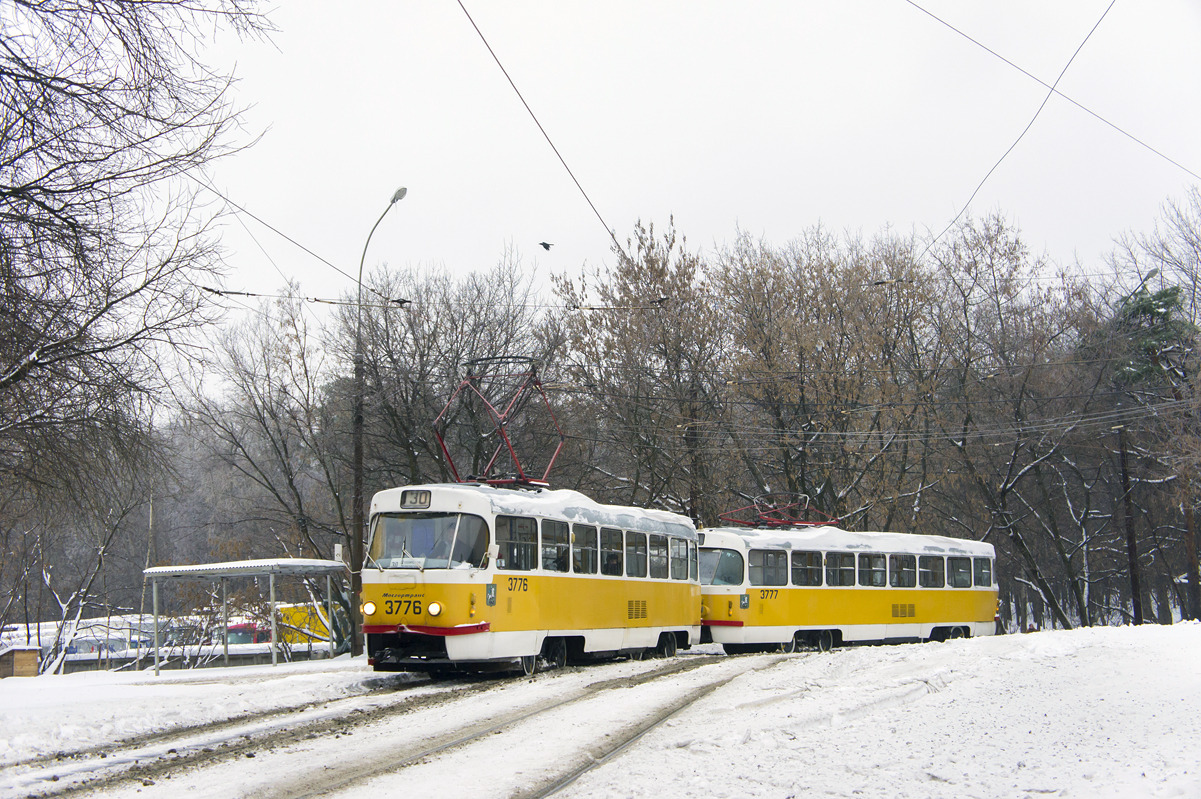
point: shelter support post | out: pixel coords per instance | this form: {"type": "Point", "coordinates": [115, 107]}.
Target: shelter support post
{"type": "Point", "coordinates": [274, 632]}
{"type": "Point", "coordinates": [329, 615]}
{"type": "Point", "coordinates": [225, 619]}
{"type": "Point", "coordinates": [154, 602]}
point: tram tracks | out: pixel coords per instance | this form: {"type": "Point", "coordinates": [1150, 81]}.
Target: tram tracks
{"type": "Point", "coordinates": [464, 737]}
{"type": "Point", "coordinates": [611, 749]}
{"type": "Point", "coordinates": [531, 767]}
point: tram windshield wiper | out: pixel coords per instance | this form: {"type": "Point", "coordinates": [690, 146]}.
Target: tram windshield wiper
{"type": "Point", "coordinates": [405, 554]}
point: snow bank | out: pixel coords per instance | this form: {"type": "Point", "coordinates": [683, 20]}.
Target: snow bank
{"type": "Point", "coordinates": [1103, 712]}
{"type": "Point", "coordinates": [67, 713]}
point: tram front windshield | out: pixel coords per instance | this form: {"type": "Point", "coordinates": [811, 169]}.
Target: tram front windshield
{"type": "Point", "coordinates": [428, 541]}
{"type": "Point", "coordinates": [721, 567]}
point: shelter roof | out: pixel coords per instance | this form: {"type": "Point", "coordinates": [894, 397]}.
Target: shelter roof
{"type": "Point", "coordinates": [250, 568]}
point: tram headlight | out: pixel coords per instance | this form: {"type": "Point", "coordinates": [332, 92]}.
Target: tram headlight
{"type": "Point", "coordinates": [434, 609]}
{"type": "Point", "coordinates": [368, 608]}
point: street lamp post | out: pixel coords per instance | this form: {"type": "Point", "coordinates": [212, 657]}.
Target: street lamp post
{"type": "Point", "coordinates": [356, 535]}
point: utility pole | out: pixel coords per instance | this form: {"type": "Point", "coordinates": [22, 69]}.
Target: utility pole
{"type": "Point", "coordinates": [1193, 592]}
{"type": "Point", "coordinates": [1131, 543]}
{"type": "Point", "coordinates": [151, 560]}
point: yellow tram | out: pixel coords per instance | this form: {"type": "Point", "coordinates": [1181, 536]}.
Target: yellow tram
{"type": "Point", "coordinates": [476, 576]}
{"type": "Point", "coordinates": [822, 586]}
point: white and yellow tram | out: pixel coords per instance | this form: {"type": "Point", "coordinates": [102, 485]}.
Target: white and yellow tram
{"type": "Point", "coordinates": [821, 586]}
{"type": "Point", "coordinates": [473, 576]}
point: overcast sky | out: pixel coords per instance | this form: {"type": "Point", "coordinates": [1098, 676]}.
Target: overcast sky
{"type": "Point", "coordinates": [763, 116]}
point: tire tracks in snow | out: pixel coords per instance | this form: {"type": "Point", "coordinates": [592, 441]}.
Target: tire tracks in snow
{"type": "Point", "coordinates": [145, 757]}
{"type": "Point", "coordinates": [612, 749]}
{"type": "Point", "coordinates": [370, 687]}
{"type": "Point", "coordinates": [456, 742]}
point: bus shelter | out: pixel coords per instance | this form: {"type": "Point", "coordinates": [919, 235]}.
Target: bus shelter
{"type": "Point", "coordinates": [287, 567]}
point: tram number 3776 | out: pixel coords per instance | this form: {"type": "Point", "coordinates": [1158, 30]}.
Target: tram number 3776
{"type": "Point", "coordinates": [403, 606]}
{"type": "Point", "coordinates": [519, 584]}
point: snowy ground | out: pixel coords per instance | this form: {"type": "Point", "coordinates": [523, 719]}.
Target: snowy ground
{"type": "Point", "coordinates": [1108, 712]}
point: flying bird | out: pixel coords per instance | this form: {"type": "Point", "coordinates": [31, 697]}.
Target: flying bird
{"type": "Point", "coordinates": [546, 245]}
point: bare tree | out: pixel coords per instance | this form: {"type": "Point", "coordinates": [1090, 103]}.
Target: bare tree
{"type": "Point", "coordinates": [104, 108]}
{"type": "Point", "coordinates": [1160, 328]}
{"type": "Point", "coordinates": [416, 356]}
{"type": "Point", "coordinates": [825, 365]}
{"type": "Point", "coordinates": [1013, 402]}
{"type": "Point", "coordinates": [271, 427]}
{"type": "Point", "coordinates": [645, 342]}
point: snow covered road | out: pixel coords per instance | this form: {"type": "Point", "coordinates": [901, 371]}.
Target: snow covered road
{"type": "Point", "coordinates": [1109, 712]}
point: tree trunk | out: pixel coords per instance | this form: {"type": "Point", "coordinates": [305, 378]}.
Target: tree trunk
{"type": "Point", "coordinates": [1193, 610]}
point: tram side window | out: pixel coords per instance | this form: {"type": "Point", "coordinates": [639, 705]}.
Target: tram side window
{"type": "Point", "coordinates": [583, 549]}
{"type": "Point", "coordinates": [610, 541]}
{"type": "Point", "coordinates": [517, 539]}
{"type": "Point", "coordinates": [635, 554]}
{"type": "Point", "coordinates": [679, 558]}
{"type": "Point", "coordinates": [902, 571]}
{"type": "Point", "coordinates": [694, 570]}
{"type": "Point", "coordinates": [983, 572]}
{"type": "Point", "coordinates": [806, 568]}
{"type": "Point", "coordinates": [658, 553]}
{"type": "Point", "coordinates": [768, 566]}
{"type": "Point", "coordinates": [871, 570]}
{"type": "Point", "coordinates": [930, 571]}
{"type": "Point", "coordinates": [555, 545]}
{"type": "Point", "coordinates": [959, 572]}
{"type": "Point", "coordinates": [840, 568]}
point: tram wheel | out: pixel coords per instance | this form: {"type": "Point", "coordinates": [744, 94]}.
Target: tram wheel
{"type": "Point", "coordinates": [825, 640]}
{"type": "Point", "coordinates": [637, 654]}
{"type": "Point", "coordinates": [667, 646]}
{"type": "Point", "coordinates": [529, 663]}
{"type": "Point", "coordinates": [554, 652]}
{"type": "Point", "coordinates": [956, 632]}
{"type": "Point", "coordinates": [788, 647]}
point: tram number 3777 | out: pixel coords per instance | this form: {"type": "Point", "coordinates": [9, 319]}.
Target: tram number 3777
{"type": "Point", "coordinates": [769, 593]}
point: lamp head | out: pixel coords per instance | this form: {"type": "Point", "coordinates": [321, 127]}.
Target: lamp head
{"type": "Point", "coordinates": [399, 194]}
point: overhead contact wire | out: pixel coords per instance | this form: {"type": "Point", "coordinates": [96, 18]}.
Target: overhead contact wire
{"type": "Point", "coordinates": [1022, 135]}
{"type": "Point", "coordinates": [1043, 83]}
{"type": "Point", "coordinates": [545, 135]}
{"type": "Point", "coordinates": [283, 235]}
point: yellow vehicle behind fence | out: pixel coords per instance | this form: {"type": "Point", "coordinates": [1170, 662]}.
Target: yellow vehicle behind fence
{"type": "Point", "coordinates": [301, 624]}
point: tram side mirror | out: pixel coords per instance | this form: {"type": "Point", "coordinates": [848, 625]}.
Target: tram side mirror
{"type": "Point", "coordinates": [493, 553]}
